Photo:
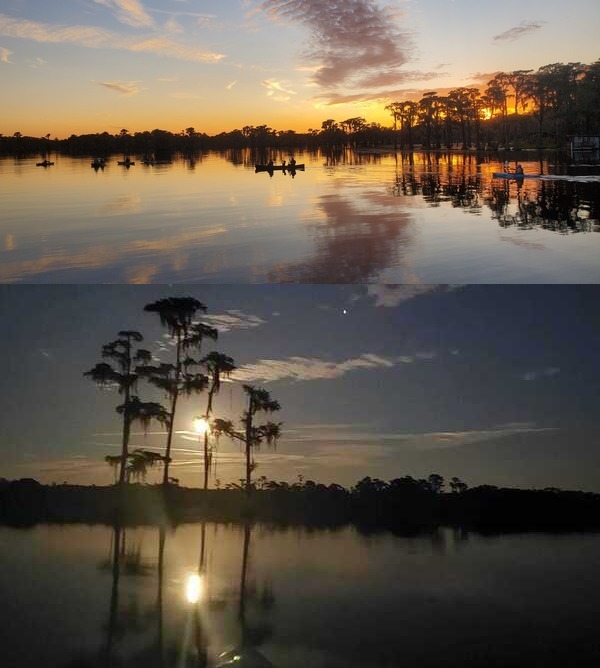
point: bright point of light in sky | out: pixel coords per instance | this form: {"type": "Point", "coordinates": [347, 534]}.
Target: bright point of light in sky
{"type": "Point", "coordinates": [200, 426]}
{"type": "Point", "coordinates": [93, 65]}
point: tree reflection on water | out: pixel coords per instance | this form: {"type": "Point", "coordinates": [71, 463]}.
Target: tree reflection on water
{"type": "Point", "coordinates": [139, 631]}
{"type": "Point", "coordinates": [563, 206]}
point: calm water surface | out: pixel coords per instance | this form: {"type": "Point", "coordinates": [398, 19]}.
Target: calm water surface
{"type": "Point", "coordinates": [357, 219]}
{"type": "Point", "coordinates": [97, 596]}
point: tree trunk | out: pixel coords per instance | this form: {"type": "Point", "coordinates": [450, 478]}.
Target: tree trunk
{"type": "Point", "coordinates": [249, 447]}
{"type": "Point", "coordinates": [169, 439]}
{"type": "Point", "coordinates": [126, 420]}
{"type": "Point", "coordinates": [206, 462]}
{"type": "Point", "coordinates": [125, 445]}
{"type": "Point", "coordinates": [173, 408]}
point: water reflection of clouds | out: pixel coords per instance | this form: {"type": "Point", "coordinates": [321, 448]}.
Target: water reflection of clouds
{"type": "Point", "coordinates": [106, 256]}
{"type": "Point", "coordinates": [122, 205]}
{"type": "Point", "coordinates": [359, 238]}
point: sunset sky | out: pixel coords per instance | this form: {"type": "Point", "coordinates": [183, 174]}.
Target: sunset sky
{"type": "Point", "coordinates": [80, 66]}
{"type": "Point", "coordinates": [493, 384]}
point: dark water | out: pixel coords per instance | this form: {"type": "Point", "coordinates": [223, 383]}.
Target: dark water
{"type": "Point", "coordinates": [346, 219]}
{"type": "Point", "coordinates": [94, 596]}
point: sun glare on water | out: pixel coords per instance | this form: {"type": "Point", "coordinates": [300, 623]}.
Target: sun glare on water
{"type": "Point", "coordinates": [194, 588]}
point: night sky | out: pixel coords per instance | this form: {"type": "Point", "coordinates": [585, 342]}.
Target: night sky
{"type": "Point", "coordinates": [493, 384]}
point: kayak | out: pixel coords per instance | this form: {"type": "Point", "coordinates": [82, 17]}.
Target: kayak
{"type": "Point", "coordinates": [126, 163]}
{"type": "Point", "coordinates": [512, 175]}
{"type": "Point", "coordinates": [284, 168]}
{"type": "Point", "coordinates": [46, 163]}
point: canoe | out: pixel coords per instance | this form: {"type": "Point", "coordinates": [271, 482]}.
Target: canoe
{"type": "Point", "coordinates": [99, 163]}
{"type": "Point", "coordinates": [512, 175]}
{"type": "Point", "coordinates": [46, 163]}
{"type": "Point", "coordinates": [280, 168]}
{"type": "Point", "coordinates": [125, 163]}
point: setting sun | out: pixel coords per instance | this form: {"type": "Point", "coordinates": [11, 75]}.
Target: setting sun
{"type": "Point", "coordinates": [201, 426]}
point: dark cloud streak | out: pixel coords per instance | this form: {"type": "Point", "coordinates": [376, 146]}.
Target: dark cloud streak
{"type": "Point", "coordinates": [352, 41]}
{"type": "Point", "coordinates": [522, 30]}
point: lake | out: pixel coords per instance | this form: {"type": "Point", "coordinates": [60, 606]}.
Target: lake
{"type": "Point", "coordinates": [349, 219]}
{"type": "Point", "coordinates": [81, 596]}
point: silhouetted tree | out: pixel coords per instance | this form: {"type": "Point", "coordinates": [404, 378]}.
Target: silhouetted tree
{"type": "Point", "coordinates": [252, 436]}
{"type": "Point", "coordinates": [457, 485]}
{"type": "Point", "coordinates": [436, 483]}
{"type": "Point", "coordinates": [218, 366]}
{"type": "Point", "coordinates": [124, 375]}
{"type": "Point", "coordinates": [174, 379]}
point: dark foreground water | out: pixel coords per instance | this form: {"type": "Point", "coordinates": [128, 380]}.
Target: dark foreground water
{"type": "Point", "coordinates": [96, 596]}
{"type": "Point", "coordinates": [346, 219]}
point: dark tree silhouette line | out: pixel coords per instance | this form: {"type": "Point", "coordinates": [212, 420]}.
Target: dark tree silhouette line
{"type": "Point", "coordinates": [520, 108]}
{"type": "Point", "coordinates": [401, 504]}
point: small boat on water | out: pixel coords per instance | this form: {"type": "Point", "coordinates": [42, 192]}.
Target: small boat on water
{"type": "Point", "coordinates": [126, 163]}
{"type": "Point", "coordinates": [280, 168]}
{"type": "Point", "coordinates": [45, 163]}
{"type": "Point", "coordinates": [98, 162]}
{"type": "Point", "coordinates": [513, 175]}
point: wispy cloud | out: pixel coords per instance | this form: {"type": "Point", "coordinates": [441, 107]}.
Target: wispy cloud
{"type": "Point", "coordinates": [277, 86]}
{"type": "Point", "coordinates": [522, 30]}
{"type": "Point", "coordinates": [199, 15]}
{"type": "Point", "coordinates": [548, 372]}
{"type": "Point", "coordinates": [314, 368]}
{"type": "Point", "coordinates": [38, 62]}
{"type": "Point", "coordinates": [173, 27]}
{"type": "Point", "coordinates": [122, 87]}
{"type": "Point", "coordinates": [222, 322]}
{"type": "Point", "coordinates": [5, 54]}
{"type": "Point", "coordinates": [233, 319]}
{"type": "Point", "coordinates": [98, 38]}
{"type": "Point", "coordinates": [391, 295]}
{"type": "Point", "coordinates": [231, 85]}
{"type": "Point", "coordinates": [355, 42]}
{"type": "Point", "coordinates": [167, 47]}
{"type": "Point", "coordinates": [420, 441]}
{"type": "Point", "coordinates": [130, 12]}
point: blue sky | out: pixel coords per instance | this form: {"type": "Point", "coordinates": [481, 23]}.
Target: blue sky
{"type": "Point", "coordinates": [92, 65]}
{"type": "Point", "coordinates": [494, 384]}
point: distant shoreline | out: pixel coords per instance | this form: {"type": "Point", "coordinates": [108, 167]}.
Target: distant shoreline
{"type": "Point", "coordinates": [396, 507]}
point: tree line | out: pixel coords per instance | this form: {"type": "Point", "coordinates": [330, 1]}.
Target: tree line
{"type": "Point", "coordinates": [522, 108]}
{"type": "Point", "coordinates": [403, 504]}
{"type": "Point", "coordinates": [527, 107]}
